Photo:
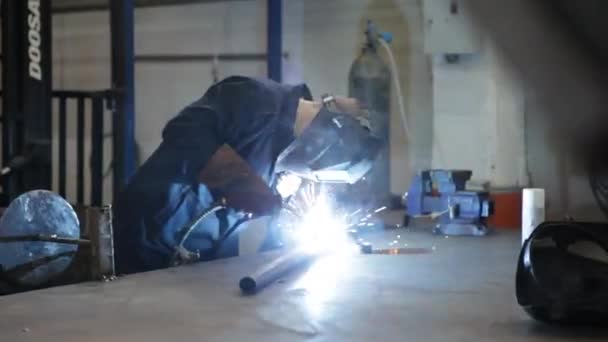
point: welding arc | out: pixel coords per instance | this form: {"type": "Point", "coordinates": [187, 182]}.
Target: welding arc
{"type": "Point", "coordinates": [271, 272]}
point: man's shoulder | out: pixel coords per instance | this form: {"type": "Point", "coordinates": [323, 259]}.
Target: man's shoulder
{"type": "Point", "coordinates": [264, 87]}
{"type": "Point", "coordinates": [265, 83]}
{"type": "Point", "coordinates": [248, 81]}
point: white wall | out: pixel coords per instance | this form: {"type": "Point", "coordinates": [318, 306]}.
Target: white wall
{"type": "Point", "coordinates": [479, 118]}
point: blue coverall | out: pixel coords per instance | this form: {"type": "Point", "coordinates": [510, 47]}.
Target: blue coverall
{"type": "Point", "coordinates": [253, 116]}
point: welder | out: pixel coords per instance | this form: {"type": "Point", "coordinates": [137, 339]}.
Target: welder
{"type": "Point", "coordinates": [241, 125]}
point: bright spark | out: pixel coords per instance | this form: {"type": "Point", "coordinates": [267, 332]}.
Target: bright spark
{"type": "Point", "coordinates": [379, 209]}
{"type": "Point", "coordinates": [321, 229]}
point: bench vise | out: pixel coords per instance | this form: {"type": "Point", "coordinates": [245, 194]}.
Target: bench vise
{"type": "Point", "coordinates": [442, 194]}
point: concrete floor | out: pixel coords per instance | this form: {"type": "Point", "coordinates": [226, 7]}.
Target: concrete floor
{"type": "Point", "coordinates": [447, 289]}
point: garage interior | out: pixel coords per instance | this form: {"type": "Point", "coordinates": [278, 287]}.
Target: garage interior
{"type": "Point", "coordinates": [483, 216]}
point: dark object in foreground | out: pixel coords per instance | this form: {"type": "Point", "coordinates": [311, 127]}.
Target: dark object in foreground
{"type": "Point", "coordinates": [272, 271]}
{"type": "Point", "coordinates": [562, 274]}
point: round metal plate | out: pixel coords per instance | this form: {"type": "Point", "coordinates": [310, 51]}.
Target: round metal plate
{"type": "Point", "coordinates": [37, 212]}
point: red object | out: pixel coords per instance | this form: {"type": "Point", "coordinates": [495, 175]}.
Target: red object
{"type": "Point", "coordinates": [507, 210]}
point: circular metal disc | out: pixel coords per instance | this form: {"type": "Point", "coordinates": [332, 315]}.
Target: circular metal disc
{"type": "Point", "coordinates": [37, 212]}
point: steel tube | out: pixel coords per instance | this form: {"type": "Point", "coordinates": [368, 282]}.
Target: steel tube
{"type": "Point", "coordinates": [222, 57]}
{"type": "Point", "coordinates": [80, 150]}
{"type": "Point", "coordinates": [123, 78]}
{"type": "Point", "coordinates": [44, 238]}
{"type": "Point", "coordinates": [62, 145]}
{"type": "Point", "coordinates": [271, 272]}
{"type": "Point", "coordinates": [97, 151]}
{"type": "Point", "coordinates": [274, 39]}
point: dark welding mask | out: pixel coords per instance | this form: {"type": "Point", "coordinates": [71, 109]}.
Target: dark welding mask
{"type": "Point", "coordinates": [335, 148]}
{"type": "Point", "coordinates": [562, 274]}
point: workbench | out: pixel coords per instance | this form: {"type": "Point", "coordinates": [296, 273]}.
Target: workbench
{"type": "Point", "coordinates": [444, 289]}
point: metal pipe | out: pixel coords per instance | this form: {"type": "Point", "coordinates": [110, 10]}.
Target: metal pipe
{"type": "Point", "coordinates": [44, 238]}
{"type": "Point", "coordinates": [79, 93]}
{"type": "Point", "coordinates": [77, 5]}
{"type": "Point", "coordinates": [275, 39]}
{"type": "Point", "coordinates": [80, 151]}
{"type": "Point", "coordinates": [225, 57]}
{"type": "Point", "coordinates": [62, 145]}
{"type": "Point", "coordinates": [123, 78]}
{"type": "Point", "coordinates": [97, 151]}
{"type": "Point", "coordinates": [272, 271]}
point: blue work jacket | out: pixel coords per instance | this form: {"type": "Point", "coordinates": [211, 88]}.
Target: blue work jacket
{"type": "Point", "coordinates": [253, 116]}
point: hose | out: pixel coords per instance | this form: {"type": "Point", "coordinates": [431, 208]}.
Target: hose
{"type": "Point", "coordinates": [189, 228]}
{"type": "Point", "coordinates": [395, 73]}
{"type": "Point", "coordinates": [397, 82]}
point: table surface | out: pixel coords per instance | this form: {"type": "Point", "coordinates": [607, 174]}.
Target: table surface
{"type": "Point", "coordinates": [448, 289]}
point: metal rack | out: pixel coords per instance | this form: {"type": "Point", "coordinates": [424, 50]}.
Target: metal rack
{"type": "Point", "coordinates": [99, 102]}
{"type": "Point", "coordinates": [27, 105]}
{"type": "Point", "coordinates": [28, 99]}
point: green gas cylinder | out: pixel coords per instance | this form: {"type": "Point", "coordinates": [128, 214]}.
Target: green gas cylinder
{"type": "Point", "coordinates": [369, 81]}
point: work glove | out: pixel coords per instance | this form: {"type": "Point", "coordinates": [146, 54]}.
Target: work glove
{"type": "Point", "coordinates": [228, 176]}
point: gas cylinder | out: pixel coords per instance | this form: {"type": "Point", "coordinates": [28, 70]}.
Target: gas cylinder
{"type": "Point", "coordinates": [369, 81]}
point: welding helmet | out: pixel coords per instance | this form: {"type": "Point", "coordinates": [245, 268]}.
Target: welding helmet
{"type": "Point", "coordinates": [335, 148]}
{"type": "Point", "coordinates": [562, 273]}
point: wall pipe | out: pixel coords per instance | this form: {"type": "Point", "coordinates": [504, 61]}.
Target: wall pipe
{"type": "Point", "coordinates": [123, 79]}
{"type": "Point", "coordinates": [225, 57]}
{"type": "Point", "coordinates": [275, 39]}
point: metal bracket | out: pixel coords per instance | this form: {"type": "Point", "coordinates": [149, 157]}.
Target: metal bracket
{"type": "Point", "coordinates": [44, 238]}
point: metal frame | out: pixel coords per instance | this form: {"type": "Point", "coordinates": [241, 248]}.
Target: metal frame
{"type": "Point", "coordinates": [98, 102]}
{"type": "Point", "coordinates": [123, 80]}
{"type": "Point", "coordinates": [273, 57]}
{"type": "Point", "coordinates": [222, 57]}
{"type": "Point", "coordinates": [123, 59]}
{"type": "Point", "coordinates": [274, 32]}
{"type": "Point", "coordinates": [76, 6]}
{"type": "Point", "coordinates": [26, 123]}
{"type": "Point", "coordinates": [27, 104]}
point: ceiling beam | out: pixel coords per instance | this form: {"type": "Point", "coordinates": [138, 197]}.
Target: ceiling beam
{"type": "Point", "coordinates": [75, 6]}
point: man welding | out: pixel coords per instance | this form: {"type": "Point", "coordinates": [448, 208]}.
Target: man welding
{"type": "Point", "coordinates": [217, 161]}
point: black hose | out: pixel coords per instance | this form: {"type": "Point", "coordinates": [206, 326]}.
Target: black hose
{"type": "Point", "coordinates": [232, 229]}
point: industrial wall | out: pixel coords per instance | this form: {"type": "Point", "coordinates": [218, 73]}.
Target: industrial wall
{"type": "Point", "coordinates": [321, 39]}
{"type": "Point", "coordinates": [471, 114]}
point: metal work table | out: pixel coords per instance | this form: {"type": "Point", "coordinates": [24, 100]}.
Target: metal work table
{"type": "Point", "coordinates": [454, 289]}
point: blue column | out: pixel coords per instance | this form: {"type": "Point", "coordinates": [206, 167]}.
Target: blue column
{"type": "Point", "coordinates": [275, 40]}
{"type": "Point", "coordinates": [123, 80]}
